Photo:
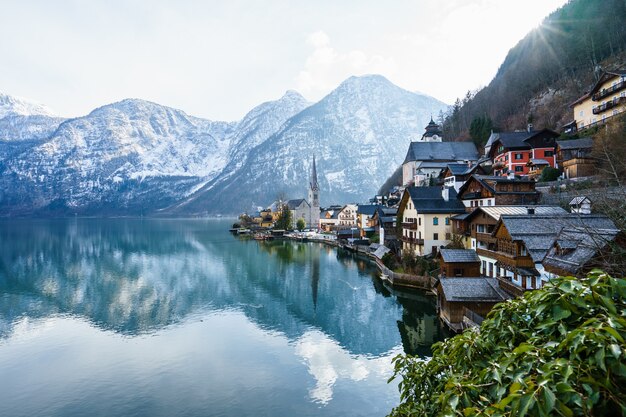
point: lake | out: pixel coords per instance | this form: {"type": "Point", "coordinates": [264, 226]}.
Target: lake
{"type": "Point", "coordinates": [147, 317]}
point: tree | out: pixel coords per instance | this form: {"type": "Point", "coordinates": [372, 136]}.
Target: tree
{"type": "Point", "coordinates": [284, 221]}
{"type": "Point", "coordinates": [480, 129]}
{"type": "Point", "coordinates": [559, 350]}
{"type": "Point", "coordinates": [609, 150]}
{"type": "Point", "coordinates": [300, 224]}
{"type": "Point", "coordinates": [549, 174]}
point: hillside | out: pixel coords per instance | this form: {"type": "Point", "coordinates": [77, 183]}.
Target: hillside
{"type": "Point", "coordinates": [547, 70]}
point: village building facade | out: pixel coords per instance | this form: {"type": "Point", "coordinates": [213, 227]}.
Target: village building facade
{"type": "Point", "coordinates": [575, 157]}
{"type": "Point", "coordinates": [607, 98]}
{"type": "Point", "coordinates": [511, 151]}
{"type": "Point", "coordinates": [484, 190]}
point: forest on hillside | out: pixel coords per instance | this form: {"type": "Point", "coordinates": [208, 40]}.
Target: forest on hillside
{"type": "Point", "coordinates": [545, 72]}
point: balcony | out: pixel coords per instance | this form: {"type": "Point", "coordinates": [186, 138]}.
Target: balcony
{"type": "Point", "coordinates": [410, 226]}
{"type": "Point", "coordinates": [486, 253]}
{"type": "Point", "coordinates": [608, 91]}
{"type": "Point", "coordinates": [608, 105]}
{"type": "Point", "coordinates": [484, 237]}
{"type": "Point", "coordinates": [412, 240]}
{"type": "Point", "coordinates": [514, 261]}
{"type": "Point", "coordinates": [472, 196]}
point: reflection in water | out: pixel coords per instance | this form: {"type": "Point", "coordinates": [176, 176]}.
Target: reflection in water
{"type": "Point", "coordinates": [144, 277]}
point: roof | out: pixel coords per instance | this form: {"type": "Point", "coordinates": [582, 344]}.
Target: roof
{"type": "Point", "coordinates": [584, 143]}
{"type": "Point", "coordinates": [578, 246]}
{"type": "Point", "coordinates": [441, 151]}
{"type": "Point", "coordinates": [367, 209]}
{"type": "Point", "coordinates": [459, 255]}
{"type": "Point", "coordinates": [538, 233]}
{"type": "Point", "coordinates": [472, 290]}
{"type": "Point", "coordinates": [430, 200]}
{"type": "Point", "coordinates": [294, 204]}
{"type": "Point", "coordinates": [487, 180]}
{"type": "Point", "coordinates": [576, 201]}
{"type": "Point", "coordinates": [496, 211]}
{"type": "Point", "coordinates": [516, 140]}
{"type": "Point", "coordinates": [461, 168]}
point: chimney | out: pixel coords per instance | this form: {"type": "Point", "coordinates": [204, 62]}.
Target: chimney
{"type": "Point", "coordinates": [445, 193]}
{"type": "Point", "coordinates": [530, 127]}
{"type": "Point", "coordinates": [531, 210]}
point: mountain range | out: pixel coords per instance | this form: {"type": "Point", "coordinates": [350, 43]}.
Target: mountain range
{"type": "Point", "coordinates": [135, 157]}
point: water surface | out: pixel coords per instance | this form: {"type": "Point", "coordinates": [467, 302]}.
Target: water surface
{"type": "Point", "coordinates": [137, 317]}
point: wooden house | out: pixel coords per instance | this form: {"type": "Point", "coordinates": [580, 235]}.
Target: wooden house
{"type": "Point", "coordinates": [484, 190]}
{"type": "Point", "coordinates": [574, 157]}
{"type": "Point", "coordinates": [455, 174]}
{"type": "Point", "coordinates": [458, 263]}
{"type": "Point", "coordinates": [466, 300]}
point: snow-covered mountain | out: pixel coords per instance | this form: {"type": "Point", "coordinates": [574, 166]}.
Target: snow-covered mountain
{"type": "Point", "coordinates": [359, 134]}
{"type": "Point", "coordinates": [135, 157]}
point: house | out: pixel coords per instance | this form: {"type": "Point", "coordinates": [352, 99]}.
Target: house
{"type": "Point", "coordinates": [461, 301]}
{"type": "Point", "coordinates": [347, 217]}
{"type": "Point", "coordinates": [300, 209]}
{"type": "Point", "coordinates": [488, 190]}
{"type": "Point", "coordinates": [364, 213]}
{"type": "Point", "coordinates": [329, 218]}
{"type": "Point", "coordinates": [480, 224]}
{"type": "Point", "coordinates": [577, 250]}
{"type": "Point", "coordinates": [536, 167]}
{"type": "Point", "coordinates": [511, 151]}
{"type": "Point", "coordinates": [427, 157]}
{"type": "Point", "coordinates": [524, 241]}
{"type": "Point", "coordinates": [425, 214]}
{"type": "Point", "coordinates": [606, 99]}
{"type": "Point", "coordinates": [456, 174]}
{"type": "Point", "coordinates": [574, 157]}
{"type": "Point", "coordinates": [384, 218]}
{"type": "Point", "coordinates": [581, 204]}
{"type": "Point", "coordinates": [459, 263]}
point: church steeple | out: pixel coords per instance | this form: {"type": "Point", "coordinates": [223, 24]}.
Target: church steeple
{"type": "Point", "coordinates": [313, 184]}
{"type": "Point", "coordinates": [314, 198]}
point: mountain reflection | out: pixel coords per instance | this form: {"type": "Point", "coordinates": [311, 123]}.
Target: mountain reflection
{"type": "Point", "coordinates": [137, 276]}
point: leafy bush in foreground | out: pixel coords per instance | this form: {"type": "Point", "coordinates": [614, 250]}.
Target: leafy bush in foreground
{"type": "Point", "coordinates": [556, 351]}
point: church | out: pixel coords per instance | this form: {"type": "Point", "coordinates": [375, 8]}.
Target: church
{"type": "Point", "coordinates": [428, 156]}
{"type": "Point", "coordinates": [309, 210]}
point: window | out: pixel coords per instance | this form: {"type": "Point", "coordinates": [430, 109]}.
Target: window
{"type": "Point", "coordinates": [458, 272]}
{"type": "Point", "coordinates": [582, 113]}
{"type": "Point", "coordinates": [548, 153]}
{"type": "Point", "coordinates": [419, 235]}
{"type": "Point", "coordinates": [488, 202]}
{"type": "Point", "coordinates": [447, 221]}
{"type": "Point", "coordinates": [519, 156]}
{"type": "Point", "coordinates": [481, 202]}
{"type": "Point", "coordinates": [435, 236]}
{"type": "Point", "coordinates": [519, 168]}
{"type": "Point", "coordinates": [435, 221]}
{"type": "Point", "coordinates": [419, 221]}
{"type": "Point", "coordinates": [484, 271]}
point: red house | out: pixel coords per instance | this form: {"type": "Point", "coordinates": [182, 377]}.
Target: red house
{"type": "Point", "coordinates": [511, 151]}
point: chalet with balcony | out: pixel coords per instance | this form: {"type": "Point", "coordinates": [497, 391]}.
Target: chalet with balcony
{"type": "Point", "coordinates": [329, 218]}
{"type": "Point", "coordinates": [606, 99]}
{"type": "Point", "coordinates": [425, 213]}
{"type": "Point", "coordinates": [574, 157]}
{"type": "Point", "coordinates": [536, 167]}
{"type": "Point", "coordinates": [347, 217]}
{"type": "Point", "coordinates": [481, 223]}
{"type": "Point", "coordinates": [484, 190]}
{"type": "Point", "coordinates": [459, 263]}
{"type": "Point", "coordinates": [456, 174]}
{"type": "Point", "coordinates": [511, 151]}
{"type": "Point", "coordinates": [524, 241]}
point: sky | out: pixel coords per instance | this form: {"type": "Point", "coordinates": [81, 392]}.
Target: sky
{"type": "Point", "coordinates": [219, 59]}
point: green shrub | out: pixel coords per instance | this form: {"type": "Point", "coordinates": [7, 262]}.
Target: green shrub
{"type": "Point", "coordinates": [555, 351]}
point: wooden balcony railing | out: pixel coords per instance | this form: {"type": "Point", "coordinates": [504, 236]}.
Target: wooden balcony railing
{"type": "Point", "coordinates": [608, 105]}
{"type": "Point", "coordinates": [484, 237]}
{"type": "Point", "coordinates": [412, 240]}
{"type": "Point", "coordinates": [410, 226]}
{"type": "Point", "coordinates": [608, 91]}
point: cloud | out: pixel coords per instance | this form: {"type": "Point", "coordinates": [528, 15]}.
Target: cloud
{"type": "Point", "coordinates": [326, 67]}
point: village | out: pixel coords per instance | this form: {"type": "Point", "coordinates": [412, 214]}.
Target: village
{"type": "Point", "coordinates": [478, 228]}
